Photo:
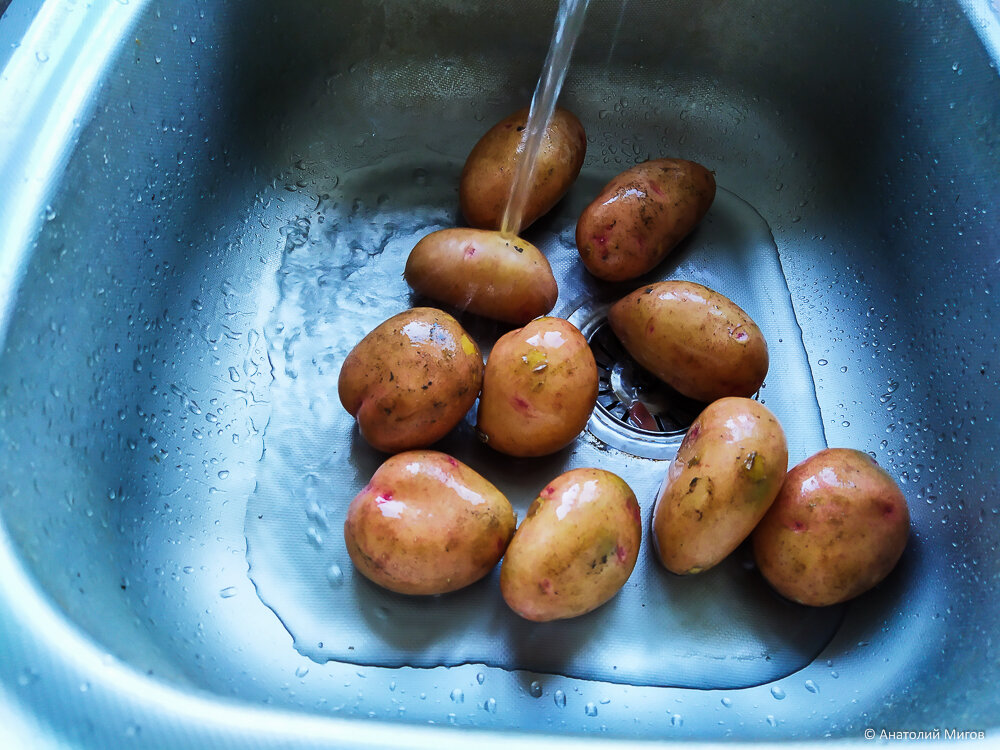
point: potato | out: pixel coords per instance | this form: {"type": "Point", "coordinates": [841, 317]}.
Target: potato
{"type": "Point", "coordinates": [641, 215]}
{"type": "Point", "coordinates": [539, 389]}
{"type": "Point", "coordinates": [489, 170]}
{"type": "Point", "coordinates": [411, 380]}
{"type": "Point", "coordinates": [695, 340]}
{"type": "Point", "coordinates": [483, 272]}
{"type": "Point", "coordinates": [575, 549]}
{"type": "Point", "coordinates": [719, 485]}
{"type": "Point", "coordinates": [427, 524]}
{"type": "Point", "coordinates": [837, 528]}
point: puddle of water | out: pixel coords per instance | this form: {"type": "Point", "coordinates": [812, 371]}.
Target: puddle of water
{"type": "Point", "coordinates": [340, 277]}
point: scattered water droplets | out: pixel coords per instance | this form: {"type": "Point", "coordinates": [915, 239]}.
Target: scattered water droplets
{"type": "Point", "coordinates": [535, 689]}
{"type": "Point", "coordinates": [228, 592]}
{"type": "Point", "coordinates": [778, 693]}
{"type": "Point", "coordinates": [590, 709]}
{"type": "Point", "coordinates": [559, 698]}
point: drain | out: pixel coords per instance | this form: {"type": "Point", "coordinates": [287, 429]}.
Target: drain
{"type": "Point", "coordinates": [636, 412]}
{"type": "Point", "coordinates": [633, 396]}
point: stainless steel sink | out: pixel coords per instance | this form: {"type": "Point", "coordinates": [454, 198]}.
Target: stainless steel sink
{"type": "Point", "coordinates": [205, 205]}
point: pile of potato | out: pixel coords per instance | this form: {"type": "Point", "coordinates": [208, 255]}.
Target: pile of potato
{"type": "Point", "coordinates": [826, 531]}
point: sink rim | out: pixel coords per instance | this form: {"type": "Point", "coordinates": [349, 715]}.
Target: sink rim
{"type": "Point", "coordinates": [34, 627]}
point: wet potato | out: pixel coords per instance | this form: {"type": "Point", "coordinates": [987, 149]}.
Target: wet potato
{"type": "Point", "coordinates": [692, 338]}
{"type": "Point", "coordinates": [411, 380]}
{"type": "Point", "coordinates": [489, 169]}
{"type": "Point", "coordinates": [837, 528]}
{"type": "Point", "coordinates": [483, 272]}
{"type": "Point", "coordinates": [575, 549]}
{"type": "Point", "coordinates": [642, 215]}
{"type": "Point", "coordinates": [539, 389]}
{"type": "Point", "coordinates": [723, 479]}
{"type": "Point", "coordinates": [427, 524]}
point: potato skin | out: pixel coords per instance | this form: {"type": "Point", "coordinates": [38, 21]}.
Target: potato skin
{"type": "Point", "coordinates": [427, 524]}
{"type": "Point", "coordinates": [489, 169]}
{"type": "Point", "coordinates": [838, 526]}
{"type": "Point", "coordinates": [483, 272]}
{"type": "Point", "coordinates": [575, 549]}
{"type": "Point", "coordinates": [641, 215]}
{"type": "Point", "coordinates": [692, 338]}
{"type": "Point", "coordinates": [723, 479]}
{"type": "Point", "coordinates": [411, 380]}
{"type": "Point", "coordinates": [539, 389]}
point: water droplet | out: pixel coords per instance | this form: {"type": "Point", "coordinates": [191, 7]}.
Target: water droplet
{"type": "Point", "coordinates": [457, 695]}
{"type": "Point", "coordinates": [590, 709]}
{"type": "Point", "coordinates": [26, 676]}
{"type": "Point", "coordinates": [727, 702]}
{"type": "Point", "coordinates": [772, 721]}
{"type": "Point", "coordinates": [811, 686]}
{"type": "Point", "coordinates": [50, 213]}
{"type": "Point", "coordinates": [535, 689]}
{"type": "Point", "coordinates": [229, 592]}
{"type": "Point", "coordinates": [559, 698]}
{"type": "Point", "coordinates": [822, 363]}
{"type": "Point", "coordinates": [480, 678]}
{"type": "Point", "coordinates": [234, 375]}
{"type": "Point", "coordinates": [335, 575]}
{"type": "Point", "coordinates": [193, 38]}
{"type": "Point", "coordinates": [490, 705]}
{"type": "Point", "coordinates": [676, 720]}
{"type": "Point", "coordinates": [224, 474]}
{"type": "Point", "coordinates": [835, 674]}
{"type": "Point", "coordinates": [314, 537]}
{"type": "Point", "coordinates": [778, 693]}
{"type": "Point", "coordinates": [84, 687]}
{"type": "Point", "coordinates": [188, 569]}
{"type": "Point", "coordinates": [844, 368]}
{"type": "Point", "coordinates": [42, 56]}
{"type": "Point", "coordinates": [301, 672]}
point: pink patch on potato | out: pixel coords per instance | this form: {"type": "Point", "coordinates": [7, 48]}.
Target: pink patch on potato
{"type": "Point", "coordinates": [621, 553]}
{"type": "Point", "coordinates": [469, 251]}
{"type": "Point", "coordinates": [520, 404]}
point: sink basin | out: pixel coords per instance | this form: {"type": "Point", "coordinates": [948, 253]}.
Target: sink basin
{"type": "Point", "coordinates": [205, 205]}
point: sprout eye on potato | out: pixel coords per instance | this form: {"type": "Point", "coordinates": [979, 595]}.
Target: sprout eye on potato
{"type": "Point", "coordinates": [483, 272]}
{"type": "Point", "coordinates": [838, 527]}
{"type": "Point", "coordinates": [427, 524]}
{"type": "Point", "coordinates": [723, 479]}
{"type": "Point", "coordinates": [489, 169]}
{"type": "Point", "coordinates": [411, 380]}
{"type": "Point", "coordinates": [641, 215]}
{"type": "Point", "coordinates": [539, 389]}
{"type": "Point", "coordinates": [692, 338]}
{"type": "Point", "coordinates": [575, 549]}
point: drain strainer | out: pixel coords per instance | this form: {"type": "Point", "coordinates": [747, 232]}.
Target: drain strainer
{"type": "Point", "coordinates": [636, 412]}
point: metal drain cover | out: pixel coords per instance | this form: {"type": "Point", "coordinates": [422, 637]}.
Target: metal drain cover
{"type": "Point", "coordinates": [636, 412]}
